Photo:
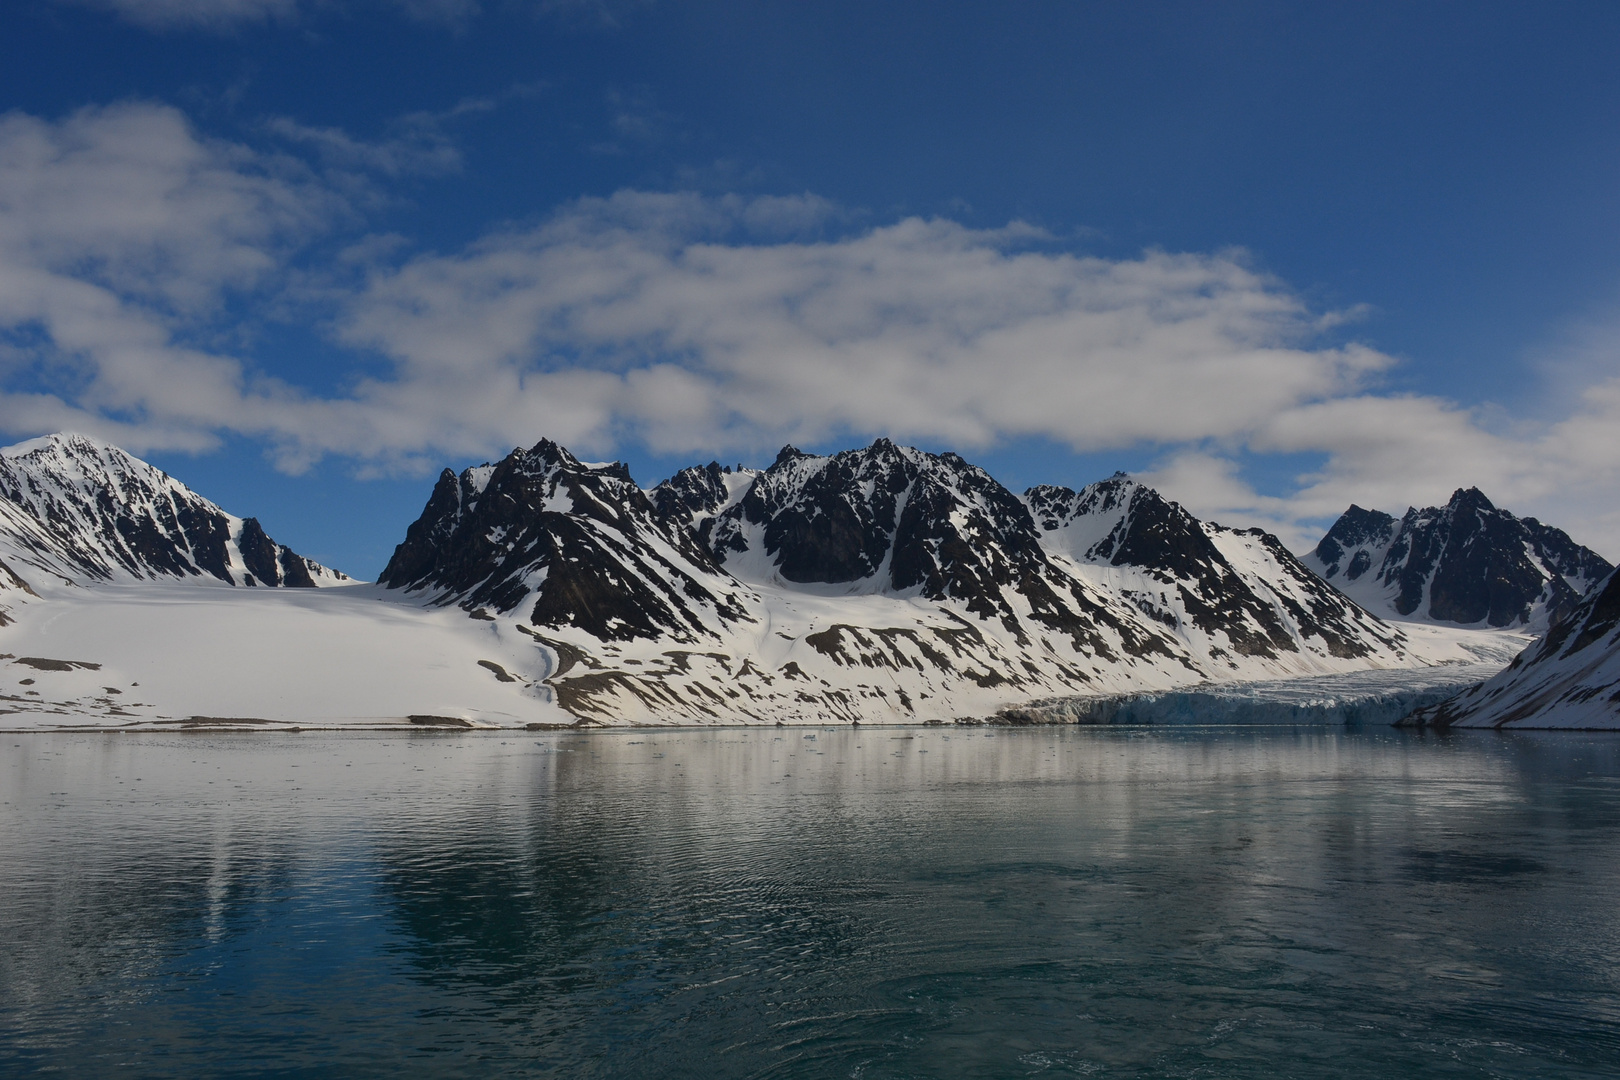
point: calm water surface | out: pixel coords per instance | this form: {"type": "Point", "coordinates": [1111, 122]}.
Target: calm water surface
{"type": "Point", "coordinates": [876, 903]}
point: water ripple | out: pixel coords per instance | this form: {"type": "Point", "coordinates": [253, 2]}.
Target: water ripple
{"type": "Point", "coordinates": [743, 904]}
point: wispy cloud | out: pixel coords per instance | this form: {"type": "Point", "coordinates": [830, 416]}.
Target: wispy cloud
{"type": "Point", "coordinates": [418, 144]}
{"type": "Point", "coordinates": [215, 15]}
{"type": "Point", "coordinates": [223, 16]}
{"type": "Point", "coordinates": [637, 123]}
{"type": "Point", "coordinates": [921, 329]}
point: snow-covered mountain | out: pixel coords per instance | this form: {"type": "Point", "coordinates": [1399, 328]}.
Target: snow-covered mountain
{"type": "Point", "coordinates": [1467, 563]}
{"type": "Point", "coordinates": [76, 511]}
{"type": "Point", "coordinates": [1228, 591]}
{"type": "Point", "coordinates": [1569, 679]}
{"type": "Point", "coordinates": [878, 584]}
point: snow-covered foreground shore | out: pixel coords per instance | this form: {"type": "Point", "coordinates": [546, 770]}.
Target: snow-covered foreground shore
{"type": "Point", "coordinates": [160, 657]}
{"type": "Point", "coordinates": [164, 656]}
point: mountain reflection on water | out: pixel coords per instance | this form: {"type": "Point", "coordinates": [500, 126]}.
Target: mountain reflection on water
{"type": "Point", "coordinates": [872, 903]}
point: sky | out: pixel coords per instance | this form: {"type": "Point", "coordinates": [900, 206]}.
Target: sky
{"type": "Point", "coordinates": [1273, 258]}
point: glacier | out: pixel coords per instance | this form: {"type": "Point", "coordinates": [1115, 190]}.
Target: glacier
{"type": "Point", "coordinates": [1352, 698]}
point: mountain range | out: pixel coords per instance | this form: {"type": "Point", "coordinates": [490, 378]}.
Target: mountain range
{"type": "Point", "coordinates": [880, 584]}
{"type": "Point", "coordinates": [877, 584]}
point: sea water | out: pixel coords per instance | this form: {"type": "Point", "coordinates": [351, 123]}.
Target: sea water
{"type": "Point", "coordinates": [827, 903]}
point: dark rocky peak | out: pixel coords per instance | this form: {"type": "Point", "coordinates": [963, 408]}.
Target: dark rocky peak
{"type": "Point", "coordinates": [887, 518]}
{"type": "Point", "coordinates": [698, 490]}
{"type": "Point", "coordinates": [824, 519]}
{"type": "Point", "coordinates": [1356, 528]}
{"type": "Point", "coordinates": [838, 519]}
{"type": "Point", "coordinates": [1483, 564]}
{"type": "Point", "coordinates": [1121, 522]}
{"type": "Point", "coordinates": [548, 476]}
{"type": "Point", "coordinates": [270, 563]}
{"type": "Point", "coordinates": [1578, 565]}
{"type": "Point", "coordinates": [1467, 562]}
{"type": "Point", "coordinates": [472, 521]}
{"type": "Point", "coordinates": [1055, 506]}
{"type": "Point", "coordinates": [1469, 500]}
{"type": "Point", "coordinates": [693, 497]}
{"type": "Point", "coordinates": [1570, 677]}
{"type": "Point", "coordinates": [582, 541]}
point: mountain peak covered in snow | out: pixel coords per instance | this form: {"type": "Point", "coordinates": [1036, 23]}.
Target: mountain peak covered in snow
{"type": "Point", "coordinates": [1239, 587]}
{"type": "Point", "coordinates": [77, 510]}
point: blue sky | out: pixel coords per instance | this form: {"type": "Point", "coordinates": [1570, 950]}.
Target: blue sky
{"type": "Point", "coordinates": [1275, 257]}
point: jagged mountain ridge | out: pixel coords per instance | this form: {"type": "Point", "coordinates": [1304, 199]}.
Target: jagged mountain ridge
{"type": "Point", "coordinates": [881, 583]}
{"type": "Point", "coordinates": [77, 511]}
{"type": "Point", "coordinates": [1240, 584]}
{"type": "Point", "coordinates": [1467, 563]}
{"type": "Point", "coordinates": [1568, 679]}
{"type": "Point", "coordinates": [894, 520]}
{"type": "Point", "coordinates": [584, 538]}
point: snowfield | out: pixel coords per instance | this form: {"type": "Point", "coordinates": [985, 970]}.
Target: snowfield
{"type": "Point", "coordinates": [178, 655]}
{"type": "Point", "coordinates": [159, 656]}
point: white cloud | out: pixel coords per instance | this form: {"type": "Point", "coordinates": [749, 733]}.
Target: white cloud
{"type": "Point", "coordinates": [128, 198]}
{"type": "Point", "coordinates": [921, 329]}
{"type": "Point", "coordinates": [120, 231]}
{"type": "Point", "coordinates": [1393, 451]}
{"type": "Point", "coordinates": [694, 335]}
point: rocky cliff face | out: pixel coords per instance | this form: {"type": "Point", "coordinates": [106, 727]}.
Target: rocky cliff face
{"type": "Point", "coordinates": [882, 583]}
{"type": "Point", "coordinates": [77, 511]}
{"type": "Point", "coordinates": [577, 547]}
{"type": "Point", "coordinates": [1467, 562]}
{"type": "Point", "coordinates": [1568, 679]}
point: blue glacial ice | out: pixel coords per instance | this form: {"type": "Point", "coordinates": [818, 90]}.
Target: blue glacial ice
{"type": "Point", "coordinates": [1357, 698]}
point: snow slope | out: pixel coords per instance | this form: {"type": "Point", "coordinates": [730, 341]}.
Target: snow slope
{"type": "Point", "coordinates": [1569, 679]}
{"type": "Point", "coordinates": [170, 655]}
{"type": "Point", "coordinates": [1237, 598]}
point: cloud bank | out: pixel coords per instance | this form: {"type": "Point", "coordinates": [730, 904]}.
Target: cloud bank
{"type": "Point", "coordinates": [130, 246]}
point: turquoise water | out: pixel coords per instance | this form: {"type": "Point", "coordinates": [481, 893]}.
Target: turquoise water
{"type": "Point", "coordinates": [877, 903]}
